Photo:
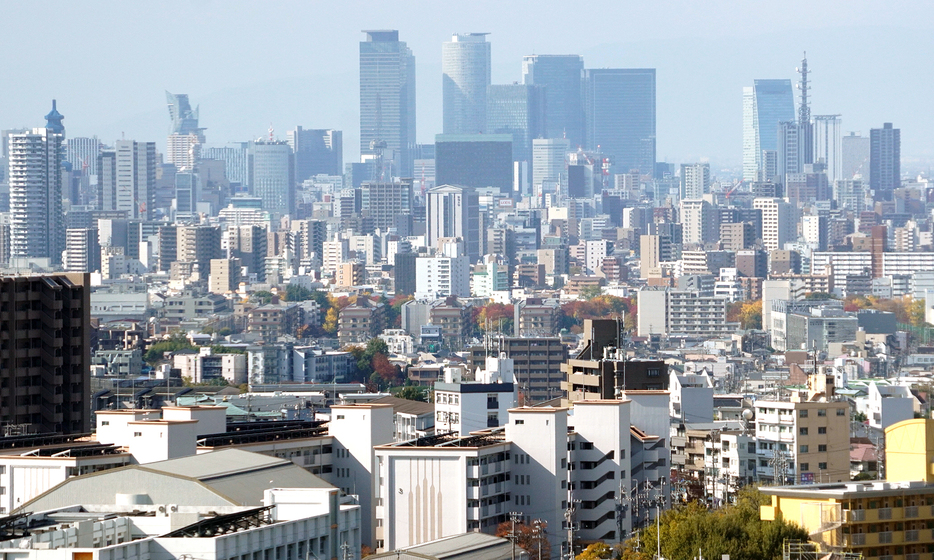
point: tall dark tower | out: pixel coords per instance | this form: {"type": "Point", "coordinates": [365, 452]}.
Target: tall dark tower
{"type": "Point", "coordinates": [805, 128]}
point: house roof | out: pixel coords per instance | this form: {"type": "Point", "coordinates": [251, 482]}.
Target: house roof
{"type": "Point", "coordinates": [405, 406]}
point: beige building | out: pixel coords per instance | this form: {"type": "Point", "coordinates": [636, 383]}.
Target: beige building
{"type": "Point", "coordinates": [225, 276]}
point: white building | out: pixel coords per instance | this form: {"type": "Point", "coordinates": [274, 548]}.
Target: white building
{"type": "Point", "coordinates": [398, 341]}
{"type": "Point", "coordinates": [778, 222]}
{"type": "Point", "coordinates": [205, 366]}
{"type": "Point", "coordinates": [463, 406]}
{"type": "Point", "coordinates": [682, 313]}
{"type": "Point", "coordinates": [691, 396]}
{"type": "Point", "coordinates": [885, 405]}
{"type": "Point", "coordinates": [447, 274]}
{"type": "Point", "coordinates": [549, 168]}
{"type": "Point", "coordinates": [698, 221]}
{"type": "Point", "coordinates": [465, 66]}
{"type": "Point", "coordinates": [695, 180]}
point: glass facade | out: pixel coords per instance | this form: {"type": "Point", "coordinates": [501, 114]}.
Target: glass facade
{"type": "Point", "coordinates": [560, 76]}
{"type": "Point", "coordinates": [619, 108]}
{"type": "Point", "coordinates": [765, 105]}
{"type": "Point", "coordinates": [519, 110]}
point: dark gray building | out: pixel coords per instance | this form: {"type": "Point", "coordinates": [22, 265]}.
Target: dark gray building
{"type": "Point", "coordinates": [560, 75]}
{"type": "Point", "coordinates": [884, 161]}
{"type": "Point", "coordinates": [619, 110]}
{"type": "Point", "coordinates": [474, 160]}
{"type": "Point", "coordinates": [316, 151]}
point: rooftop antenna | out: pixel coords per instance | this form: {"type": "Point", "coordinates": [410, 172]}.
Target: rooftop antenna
{"type": "Point", "coordinates": [270, 132]}
{"type": "Point", "coordinates": [804, 112]}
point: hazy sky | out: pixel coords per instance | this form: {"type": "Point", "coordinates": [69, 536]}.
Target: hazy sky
{"type": "Point", "coordinates": [252, 64]}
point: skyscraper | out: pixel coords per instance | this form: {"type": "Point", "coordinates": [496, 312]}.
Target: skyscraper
{"type": "Point", "coordinates": [465, 67]}
{"type": "Point", "coordinates": [560, 76]}
{"type": "Point", "coordinates": [384, 202]}
{"type": "Point", "coordinates": [619, 109]}
{"type": "Point", "coordinates": [271, 175]}
{"type": "Point", "coordinates": [127, 179]}
{"type": "Point", "coordinates": [766, 104]}
{"type": "Point", "coordinates": [317, 151]}
{"type": "Point", "coordinates": [695, 180]}
{"type": "Point", "coordinates": [519, 110]}
{"type": "Point", "coordinates": [828, 145]}
{"type": "Point", "coordinates": [855, 150]}
{"type": "Point", "coordinates": [549, 165]}
{"type": "Point", "coordinates": [454, 212]}
{"type": "Point", "coordinates": [884, 161]}
{"type": "Point", "coordinates": [82, 153]}
{"type": "Point", "coordinates": [37, 224]}
{"type": "Point", "coordinates": [387, 99]}
{"type": "Point", "coordinates": [183, 147]}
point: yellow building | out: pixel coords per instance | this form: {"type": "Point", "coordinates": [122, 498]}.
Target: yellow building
{"type": "Point", "coordinates": [887, 520]}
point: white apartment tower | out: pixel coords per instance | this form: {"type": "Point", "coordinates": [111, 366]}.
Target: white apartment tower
{"type": "Point", "coordinates": [37, 224]}
{"type": "Point", "coordinates": [778, 222]}
{"type": "Point", "coordinates": [695, 180]}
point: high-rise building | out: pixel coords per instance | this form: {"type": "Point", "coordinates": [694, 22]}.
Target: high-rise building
{"type": "Point", "coordinates": [37, 223]}
{"type": "Point", "coordinates": [248, 244]}
{"type": "Point", "coordinates": [465, 67]}
{"type": "Point", "coordinates": [474, 160]}
{"type": "Point", "coordinates": [695, 180]}
{"type": "Point", "coordinates": [454, 211]}
{"type": "Point", "coordinates": [560, 76]}
{"type": "Point", "coordinates": [183, 147]}
{"type": "Point", "coordinates": [187, 187]}
{"type": "Point", "coordinates": [271, 176]}
{"type": "Point", "coordinates": [387, 99]}
{"type": "Point", "coordinates": [765, 104]}
{"type": "Point", "coordinates": [384, 202]}
{"type": "Point", "coordinates": [46, 356]}
{"type": "Point", "coordinates": [884, 161]}
{"type": "Point", "coordinates": [127, 179]}
{"type": "Point", "coordinates": [549, 165]}
{"type": "Point", "coordinates": [82, 154]}
{"type": "Point", "coordinates": [519, 110]}
{"type": "Point", "coordinates": [778, 222]}
{"type": "Point", "coordinates": [828, 145]}
{"type": "Point", "coordinates": [855, 156]}
{"type": "Point", "coordinates": [619, 117]}
{"type": "Point", "coordinates": [82, 250]}
{"type": "Point", "coordinates": [791, 149]}
{"type": "Point", "coordinates": [236, 163]}
{"type": "Point", "coordinates": [699, 222]}
{"type": "Point", "coordinates": [316, 151]}
{"type": "Point", "coordinates": [199, 244]}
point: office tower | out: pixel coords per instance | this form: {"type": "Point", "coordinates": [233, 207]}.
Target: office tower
{"type": "Point", "coordinates": [46, 356]}
{"type": "Point", "coordinates": [236, 163]}
{"type": "Point", "coordinates": [187, 187]}
{"type": "Point", "coordinates": [248, 244]}
{"type": "Point", "coordinates": [619, 117]}
{"type": "Point", "coordinates": [82, 154]}
{"type": "Point", "coordinates": [855, 150]}
{"type": "Point", "coordinates": [465, 68]}
{"type": "Point", "coordinates": [695, 180]}
{"type": "Point", "coordinates": [474, 160]}
{"type": "Point", "coordinates": [586, 175]}
{"type": "Point", "coordinates": [454, 211]}
{"type": "Point", "coordinates": [271, 178]}
{"type": "Point", "coordinates": [82, 250]}
{"type": "Point", "coordinates": [519, 110]}
{"type": "Point", "coordinates": [316, 152]}
{"type": "Point", "coordinates": [183, 147]}
{"type": "Point", "coordinates": [560, 76]}
{"type": "Point", "coordinates": [698, 222]}
{"type": "Point", "coordinates": [549, 165]}
{"type": "Point", "coordinates": [383, 202]}
{"type": "Point", "coordinates": [126, 179]}
{"type": "Point", "coordinates": [778, 222]}
{"type": "Point", "coordinates": [791, 147]}
{"type": "Point", "coordinates": [828, 146]}
{"type": "Point", "coordinates": [37, 223]}
{"type": "Point", "coordinates": [387, 99]}
{"type": "Point", "coordinates": [765, 104]}
{"type": "Point", "coordinates": [884, 161]}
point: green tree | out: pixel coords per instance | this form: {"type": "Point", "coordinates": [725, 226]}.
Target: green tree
{"type": "Point", "coordinates": [589, 292]}
{"type": "Point", "coordinates": [736, 530]}
{"type": "Point", "coordinates": [261, 297]}
{"type": "Point", "coordinates": [413, 393]}
{"type": "Point", "coordinates": [297, 293]}
{"type": "Point", "coordinates": [157, 350]}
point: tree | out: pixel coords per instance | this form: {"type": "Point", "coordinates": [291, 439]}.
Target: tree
{"type": "Point", "coordinates": [596, 551]}
{"type": "Point", "coordinates": [496, 317]}
{"type": "Point", "coordinates": [413, 393]}
{"type": "Point", "coordinates": [750, 315]}
{"type": "Point", "coordinates": [157, 350]}
{"type": "Point", "coordinates": [530, 538]}
{"type": "Point", "coordinates": [330, 321]}
{"type": "Point", "coordinates": [589, 292]}
{"type": "Point", "coordinates": [916, 313]}
{"type": "Point", "coordinates": [297, 293]}
{"type": "Point", "coordinates": [261, 297]}
{"type": "Point", "coordinates": [736, 530]}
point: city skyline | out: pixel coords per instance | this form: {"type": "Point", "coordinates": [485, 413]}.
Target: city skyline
{"type": "Point", "coordinates": [321, 92]}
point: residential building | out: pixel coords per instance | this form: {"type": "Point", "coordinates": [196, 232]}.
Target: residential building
{"type": "Point", "coordinates": [205, 366]}
{"type": "Point", "coordinates": [536, 317]}
{"type": "Point", "coordinates": [453, 211]}
{"type": "Point", "coordinates": [885, 405]}
{"type": "Point", "coordinates": [463, 407]}
{"type": "Point", "coordinates": [361, 321]}
{"type": "Point", "coordinates": [537, 364]}
{"type": "Point", "coordinates": [46, 355]}
{"type": "Point", "coordinates": [778, 222]}
{"type": "Point", "coordinates": [699, 222]}
{"type": "Point", "coordinates": [385, 202]}
{"type": "Point", "coordinates": [82, 250]}
{"type": "Point", "coordinates": [679, 313]}
{"type": "Point", "coordinates": [198, 245]}
{"type": "Point", "coordinates": [275, 319]}
{"type": "Point", "coordinates": [695, 180]}
{"type": "Point", "coordinates": [856, 154]}
{"type": "Point", "coordinates": [225, 276]}
{"type": "Point", "coordinates": [126, 179]}
{"type": "Point", "coordinates": [465, 72]}
{"type": "Point", "coordinates": [828, 145]}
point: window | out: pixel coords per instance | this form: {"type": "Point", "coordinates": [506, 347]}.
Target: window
{"type": "Point", "coordinates": [822, 412]}
{"type": "Point", "coordinates": [841, 412]}
{"type": "Point", "coordinates": [105, 422]}
{"type": "Point", "coordinates": [520, 422]}
{"type": "Point", "coordinates": [821, 448]}
{"type": "Point", "coordinates": [805, 467]}
{"type": "Point", "coordinates": [804, 449]}
{"type": "Point", "coordinates": [822, 430]}
{"type": "Point", "coordinates": [652, 372]}
{"type": "Point", "coordinates": [803, 414]}
{"type": "Point", "coordinates": [822, 466]}
{"type": "Point", "coordinates": [803, 431]}
{"type": "Point", "coordinates": [340, 416]}
{"type": "Point", "coordinates": [137, 434]}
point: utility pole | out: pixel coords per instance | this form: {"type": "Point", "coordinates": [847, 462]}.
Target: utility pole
{"type": "Point", "coordinates": [513, 536]}
{"type": "Point", "coordinates": [345, 551]}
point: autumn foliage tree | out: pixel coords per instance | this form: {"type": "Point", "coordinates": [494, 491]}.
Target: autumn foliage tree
{"type": "Point", "coordinates": [495, 317]}
{"type": "Point", "coordinates": [528, 538]}
{"type": "Point", "coordinates": [573, 313]}
{"type": "Point", "coordinates": [747, 313]}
